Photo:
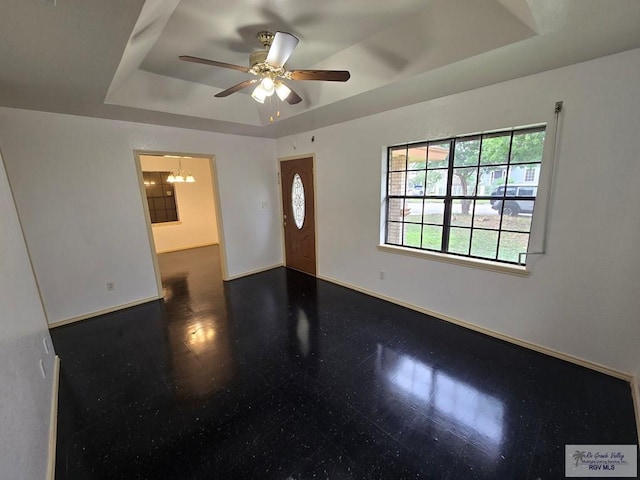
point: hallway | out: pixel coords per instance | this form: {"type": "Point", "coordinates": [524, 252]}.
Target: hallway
{"type": "Point", "coordinates": [279, 375]}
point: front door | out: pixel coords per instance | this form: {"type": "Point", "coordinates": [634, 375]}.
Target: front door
{"type": "Point", "coordinates": [299, 214]}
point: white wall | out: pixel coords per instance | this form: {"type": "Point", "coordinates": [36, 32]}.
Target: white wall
{"type": "Point", "coordinates": [77, 193]}
{"type": "Point", "coordinates": [196, 206]}
{"type": "Point", "coordinates": [25, 395]}
{"type": "Point", "coordinates": [582, 297]}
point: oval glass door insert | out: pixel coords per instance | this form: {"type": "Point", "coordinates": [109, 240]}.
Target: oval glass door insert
{"type": "Point", "coordinates": [297, 201]}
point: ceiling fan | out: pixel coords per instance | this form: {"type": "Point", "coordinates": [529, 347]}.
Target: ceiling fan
{"type": "Point", "coordinates": [268, 66]}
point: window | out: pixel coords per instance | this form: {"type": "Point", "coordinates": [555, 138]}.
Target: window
{"type": "Point", "coordinates": [161, 197]}
{"type": "Point", "coordinates": [465, 208]}
{"type": "Point", "coordinates": [530, 174]}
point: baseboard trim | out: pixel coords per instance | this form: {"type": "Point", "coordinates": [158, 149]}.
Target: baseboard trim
{"type": "Point", "coordinates": [103, 312]}
{"type": "Point", "coordinates": [635, 393]}
{"type": "Point", "coordinates": [187, 247]}
{"type": "Point", "coordinates": [253, 272]}
{"type": "Point", "coordinates": [53, 420]}
{"type": "Point", "coordinates": [492, 333]}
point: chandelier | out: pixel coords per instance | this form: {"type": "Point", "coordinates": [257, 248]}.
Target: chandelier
{"type": "Point", "coordinates": [180, 175]}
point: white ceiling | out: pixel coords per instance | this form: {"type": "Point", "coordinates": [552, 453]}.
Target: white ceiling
{"type": "Point", "coordinates": [119, 58]}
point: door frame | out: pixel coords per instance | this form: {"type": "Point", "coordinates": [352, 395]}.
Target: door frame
{"type": "Point", "coordinates": [315, 210]}
{"type": "Point", "coordinates": [217, 208]}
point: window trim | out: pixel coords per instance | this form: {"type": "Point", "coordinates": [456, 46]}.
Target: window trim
{"type": "Point", "coordinates": [449, 198]}
{"type": "Point", "coordinates": [166, 224]}
{"type": "Point", "coordinates": [474, 262]}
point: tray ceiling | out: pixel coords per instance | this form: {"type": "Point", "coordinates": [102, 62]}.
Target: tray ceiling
{"type": "Point", "coordinates": [119, 59]}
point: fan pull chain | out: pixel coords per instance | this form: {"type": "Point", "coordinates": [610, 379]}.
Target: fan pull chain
{"type": "Point", "coordinates": [271, 109]}
{"type": "Point", "coordinates": [271, 120]}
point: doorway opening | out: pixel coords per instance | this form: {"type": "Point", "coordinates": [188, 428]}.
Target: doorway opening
{"type": "Point", "coordinates": [181, 213]}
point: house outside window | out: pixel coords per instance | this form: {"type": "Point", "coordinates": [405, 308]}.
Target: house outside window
{"type": "Point", "coordinates": [449, 195]}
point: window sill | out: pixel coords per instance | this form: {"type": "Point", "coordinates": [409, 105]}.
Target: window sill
{"type": "Point", "coordinates": [165, 224]}
{"type": "Point", "coordinates": [463, 261]}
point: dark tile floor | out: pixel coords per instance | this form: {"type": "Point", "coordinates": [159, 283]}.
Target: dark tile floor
{"type": "Point", "coordinates": [279, 375]}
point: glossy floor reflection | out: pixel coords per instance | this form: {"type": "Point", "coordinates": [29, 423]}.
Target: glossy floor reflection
{"type": "Point", "coordinates": [279, 375]}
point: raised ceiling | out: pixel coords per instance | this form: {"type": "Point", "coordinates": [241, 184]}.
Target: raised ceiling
{"type": "Point", "coordinates": [119, 58]}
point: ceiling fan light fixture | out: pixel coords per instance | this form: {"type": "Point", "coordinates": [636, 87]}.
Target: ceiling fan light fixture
{"type": "Point", "coordinates": [281, 90]}
{"type": "Point", "coordinates": [268, 67]}
{"type": "Point", "coordinates": [267, 85]}
{"type": "Point", "coordinates": [259, 94]}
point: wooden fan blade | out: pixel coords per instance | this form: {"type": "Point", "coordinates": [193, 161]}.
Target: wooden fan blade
{"type": "Point", "coordinates": [235, 88]}
{"type": "Point", "coordinates": [204, 61]}
{"type": "Point", "coordinates": [326, 75]}
{"type": "Point", "coordinates": [281, 49]}
{"type": "Point", "coordinates": [293, 98]}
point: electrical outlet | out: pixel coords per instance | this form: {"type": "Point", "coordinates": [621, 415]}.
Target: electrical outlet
{"type": "Point", "coordinates": [265, 204]}
{"type": "Point", "coordinates": [381, 274]}
{"type": "Point", "coordinates": [111, 286]}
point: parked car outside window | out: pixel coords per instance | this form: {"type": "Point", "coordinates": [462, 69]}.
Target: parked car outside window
{"type": "Point", "coordinates": [512, 205]}
{"type": "Point", "coordinates": [416, 191]}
